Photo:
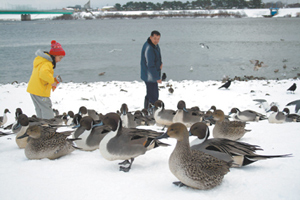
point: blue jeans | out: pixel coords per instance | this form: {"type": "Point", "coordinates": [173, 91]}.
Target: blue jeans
{"type": "Point", "coordinates": [152, 93]}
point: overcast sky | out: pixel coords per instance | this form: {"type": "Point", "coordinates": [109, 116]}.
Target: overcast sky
{"type": "Point", "coordinates": [52, 4]}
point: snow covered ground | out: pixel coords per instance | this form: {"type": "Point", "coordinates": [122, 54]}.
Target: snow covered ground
{"type": "Point", "coordinates": [251, 13]}
{"type": "Point", "coordinates": [87, 175]}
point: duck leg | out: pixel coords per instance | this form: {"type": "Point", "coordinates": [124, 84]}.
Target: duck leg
{"type": "Point", "coordinates": [126, 169]}
{"type": "Point", "coordinates": [125, 162]}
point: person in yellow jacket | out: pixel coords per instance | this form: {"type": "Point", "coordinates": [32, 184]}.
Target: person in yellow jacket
{"type": "Point", "coordinates": [42, 79]}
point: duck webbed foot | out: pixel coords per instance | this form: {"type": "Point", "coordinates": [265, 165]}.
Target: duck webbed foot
{"type": "Point", "coordinates": [126, 169]}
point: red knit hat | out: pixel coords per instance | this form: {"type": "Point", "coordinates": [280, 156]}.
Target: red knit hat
{"type": "Point", "coordinates": [56, 49]}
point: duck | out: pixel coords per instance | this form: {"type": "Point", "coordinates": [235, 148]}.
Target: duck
{"type": "Point", "coordinates": [19, 129]}
{"type": "Point", "coordinates": [247, 115]}
{"type": "Point", "coordinates": [3, 119]}
{"type": "Point", "coordinates": [162, 116]}
{"type": "Point", "coordinates": [76, 119]}
{"type": "Point", "coordinates": [232, 130]}
{"type": "Point", "coordinates": [46, 142]}
{"type": "Point", "coordinates": [68, 120]}
{"type": "Point", "coordinates": [90, 134]}
{"type": "Point", "coordinates": [191, 167]}
{"type": "Point", "coordinates": [291, 117]}
{"type": "Point", "coordinates": [257, 64]}
{"type": "Point", "coordinates": [18, 112]}
{"type": "Point", "coordinates": [126, 117]}
{"type": "Point", "coordinates": [83, 111]}
{"type": "Point", "coordinates": [187, 117]}
{"type": "Point", "coordinates": [143, 120]}
{"type": "Point", "coordinates": [276, 116]}
{"type": "Point", "coordinates": [126, 143]}
{"type": "Point", "coordinates": [242, 153]}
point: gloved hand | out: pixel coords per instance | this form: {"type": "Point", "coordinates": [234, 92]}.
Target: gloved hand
{"type": "Point", "coordinates": [57, 80]}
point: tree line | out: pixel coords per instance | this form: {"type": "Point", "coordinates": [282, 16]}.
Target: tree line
{"type": "Point", "coordinates": [189, 5]}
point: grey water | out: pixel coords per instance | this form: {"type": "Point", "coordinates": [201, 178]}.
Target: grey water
{"type": "Point", "coordinates": [114, 46]}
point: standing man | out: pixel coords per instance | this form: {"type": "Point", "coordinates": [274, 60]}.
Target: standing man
{"type": "Point", "coordinates": [151, 65]}
{"type": "Point", "coordinates": [42, 81]}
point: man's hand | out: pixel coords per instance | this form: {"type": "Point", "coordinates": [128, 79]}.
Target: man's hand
{"type": "Point", "coordinates": [161, 66]}
{"type": "Point", "coordinates": [159, 81]}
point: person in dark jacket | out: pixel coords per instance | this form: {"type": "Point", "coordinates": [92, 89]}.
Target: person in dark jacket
{"type": "Point", "coordinates": [151, 65]}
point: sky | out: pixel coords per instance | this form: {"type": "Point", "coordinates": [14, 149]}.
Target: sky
{"type": "Point", "coordinates": [58, 4]}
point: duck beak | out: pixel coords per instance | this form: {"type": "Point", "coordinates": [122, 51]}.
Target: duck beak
{"type": "Point", "coordinates": [208, 118]}
{"type": "Point", "coordinates": [100, 124]}
{"type": "Point", "coordinates": [23, 136]}
{"type": "Point", "coordinates": [76, 126]}
{"type": "Point", "coordinates": [17, 126]}
{"type": "Point", "coordinates": [165, 135]}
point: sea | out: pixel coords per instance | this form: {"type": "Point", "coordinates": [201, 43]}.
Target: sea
{"type": "Point", "coordinates": [110, 49]}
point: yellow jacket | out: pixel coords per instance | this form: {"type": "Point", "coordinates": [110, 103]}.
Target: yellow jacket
{"type": "Point", "coordinates": [42, 75]}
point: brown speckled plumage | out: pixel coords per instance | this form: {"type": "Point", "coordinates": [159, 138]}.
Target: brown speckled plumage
{"type": "Point", "coordinates": [45, 142]}
{"type": "Point", "coordinates": [232, 130]}
{"type": "Point", "coordinates": [194, 168]}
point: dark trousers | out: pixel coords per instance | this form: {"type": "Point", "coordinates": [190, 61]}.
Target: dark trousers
{"type": "Point", "coordinates": [152, 93]}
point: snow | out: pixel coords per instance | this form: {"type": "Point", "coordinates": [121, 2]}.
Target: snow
{"type": "Point", "coordinates": [251, 13]}
{"type": "Point", "coordinates": [87, 175]}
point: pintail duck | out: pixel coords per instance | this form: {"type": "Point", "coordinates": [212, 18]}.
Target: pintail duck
{"type": "Point", "coordinates": [143, 120]}
{"type": "Point", "coordinates": [242, 153]}
{"type": "Point", "coordinates": [163, 116]}
{"type": "Point", "coordinates": [187, 117]}
{"type": "Point", "coordinates": [232, 130]}
{"type": "Point", "coordinates": [45, 142]}
{"type": "Point", "coordinates": [126, 143]}
{"type": "Point", "coordinates": [247, 115]}
{"type": "Point", "coordinates": [17, 114]}
{"type": "Point", "coordinates": [90, 134]}
{"type": "Point", "coordinates": [193, 168]}
{"type": "Point", "coordinates": [22, 124]}
{"type": "Point", "coordinates": [276, 116]}
{"type": "Point", "coordinates": [68, 120]}
{"type": "Point", "coordinates": [126, 117]}
{"type": "Point", "coordinates": [3, 119]}
{"type": "Point", "coordinates": [19, 129]}
{"type": "Point", "coordinates": [83, 111]}
{"type": "Point", "coordinates": [291, 117]}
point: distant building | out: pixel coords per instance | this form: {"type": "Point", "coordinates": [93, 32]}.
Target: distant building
{"type": "Point", "coordinates": [108, 8]}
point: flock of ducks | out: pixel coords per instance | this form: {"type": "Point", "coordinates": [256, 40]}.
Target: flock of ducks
{"type": "Point", "coordinates": [200, 164]}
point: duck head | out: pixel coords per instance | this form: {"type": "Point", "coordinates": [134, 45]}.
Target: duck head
{"type": "Point", "coordinates": [200, 130]}
{"type": "Point", "coordinates": [218, 115]}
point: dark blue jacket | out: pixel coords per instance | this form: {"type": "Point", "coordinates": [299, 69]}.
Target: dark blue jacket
{"type": "Point", "coordinates": [150, 62]}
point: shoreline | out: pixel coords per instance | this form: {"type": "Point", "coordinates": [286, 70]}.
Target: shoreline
{"type": "Point", "coordinates": [167, 81]}
{"type": "Point", "coordinates": [214, 13]}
